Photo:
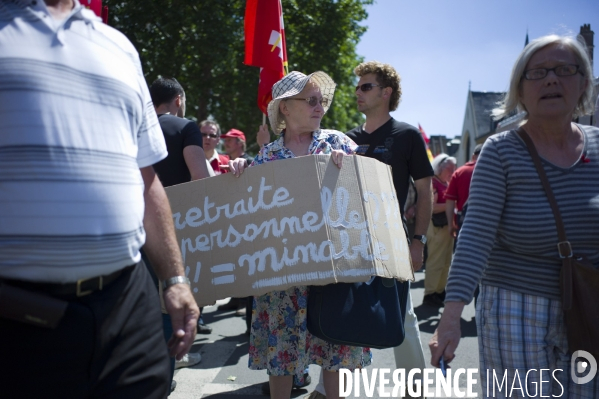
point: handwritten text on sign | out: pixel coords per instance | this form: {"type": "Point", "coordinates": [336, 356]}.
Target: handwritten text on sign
{"type": "Point", "coordinates": [276, 231]}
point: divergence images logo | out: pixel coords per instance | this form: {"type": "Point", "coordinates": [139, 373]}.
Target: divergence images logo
{"type": "Point", "coordinates": [579, 367]}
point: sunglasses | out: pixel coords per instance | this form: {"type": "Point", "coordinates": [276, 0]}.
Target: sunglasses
{"type": "Point", "coordinates": [212, 136]}
{"type": "Point", "coordinates": [367, 86]}
{"type": "Point", "coordinates": [312, 101]}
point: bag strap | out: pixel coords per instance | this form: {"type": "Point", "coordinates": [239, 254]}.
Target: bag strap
{"type": "Point", "coordinates": [563, 246]}
{"type": "Point", "coordinates": [561, 231]}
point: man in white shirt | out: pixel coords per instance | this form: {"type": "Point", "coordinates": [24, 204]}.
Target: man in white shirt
{"type": "Point", "coordinates": [78, 139]}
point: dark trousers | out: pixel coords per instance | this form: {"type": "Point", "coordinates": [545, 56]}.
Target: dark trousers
{"type": "Point", "coordinates": [109, 344]}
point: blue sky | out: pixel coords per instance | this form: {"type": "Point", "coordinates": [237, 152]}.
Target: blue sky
{"type": "Point", "coordinates": [439, 46]}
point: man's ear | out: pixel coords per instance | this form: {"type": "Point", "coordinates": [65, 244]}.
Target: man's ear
{"type": "Point", "coordinates": [387, 92]}
{"type": "Point", "coordinates": [178, 101]}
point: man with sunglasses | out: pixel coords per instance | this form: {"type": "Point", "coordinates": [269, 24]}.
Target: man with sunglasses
{"type": "Point", "coordinates": [401, 146]}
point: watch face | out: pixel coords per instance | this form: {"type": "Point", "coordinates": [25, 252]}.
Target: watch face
{"type": "Point", "coordinates": [421, 238]}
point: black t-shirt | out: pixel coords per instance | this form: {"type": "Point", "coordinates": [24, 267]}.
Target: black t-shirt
{"type": "Point", "coordinates": [178, 134]}
{"type": "Point", "coordinates": [401, 146]}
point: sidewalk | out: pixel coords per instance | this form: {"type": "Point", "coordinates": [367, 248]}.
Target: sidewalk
{"type": "Point", "coordinates": [223, 372]}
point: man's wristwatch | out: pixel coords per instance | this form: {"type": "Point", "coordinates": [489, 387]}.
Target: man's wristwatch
{"type": "Point", "coordinates": [420, 237]}
{"type": "Point", "coordinates": [175, 280]}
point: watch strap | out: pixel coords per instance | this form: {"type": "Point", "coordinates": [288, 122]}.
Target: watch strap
{"type": "Point", "coordinates": [175, 280]}
{"type": "Point", "coordinates": [420, 237]}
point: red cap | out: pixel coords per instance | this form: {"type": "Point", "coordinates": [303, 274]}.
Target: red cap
{"type": "Point", "coordinates": [234, 133]}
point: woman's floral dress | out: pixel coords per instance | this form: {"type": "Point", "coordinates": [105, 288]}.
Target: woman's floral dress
{"type": "Point", "coordinates": [279, 339]}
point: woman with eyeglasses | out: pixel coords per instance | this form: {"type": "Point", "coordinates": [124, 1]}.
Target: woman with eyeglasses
{"type": "Point", "coordinates": [211, 137]}
{"type": "Point", "coordinates": [509, 238]}
{"type": "Point", "coordinates": [279, 339]}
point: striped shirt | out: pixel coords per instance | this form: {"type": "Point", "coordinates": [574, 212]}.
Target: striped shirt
{"type": "Point", "coordinates": [77, 123]}
{"type": "Point", "coordinates": [509, 237]}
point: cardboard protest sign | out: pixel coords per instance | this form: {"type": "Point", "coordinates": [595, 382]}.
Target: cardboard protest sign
{"type": "Point", "coordinates": [300, 221]}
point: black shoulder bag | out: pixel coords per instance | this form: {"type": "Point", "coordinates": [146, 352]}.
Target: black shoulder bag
{"type": "Point", "coordinates": [369, 314]}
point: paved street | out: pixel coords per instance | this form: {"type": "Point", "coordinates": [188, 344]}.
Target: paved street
{"type": "Point", "coordinates": [223, 372]}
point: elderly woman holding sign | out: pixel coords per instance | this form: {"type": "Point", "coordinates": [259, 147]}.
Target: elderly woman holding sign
{"type": "Point", "coordinates": [509, 239]}
{"type": "Point", "coordinates": [279, 340]}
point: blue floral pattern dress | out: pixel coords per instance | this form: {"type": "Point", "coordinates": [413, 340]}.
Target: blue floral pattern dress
{"type": "Point", "coordinates": [279, 339]}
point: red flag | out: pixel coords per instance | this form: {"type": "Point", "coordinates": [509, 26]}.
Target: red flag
{"type": "Point", "coordinates": [265, 45]}
{"type": "Point", "coordinates": [426, 141]}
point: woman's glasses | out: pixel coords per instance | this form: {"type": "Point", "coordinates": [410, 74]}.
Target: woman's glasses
{"type": "Point", "coordinates": [210, 136]}
{"type": "Point", "coordinates": [540, 73]}
{"type": "Point", "coordinates": [367, 86]}
{"type": "Point", "coordinates": [312, 101]}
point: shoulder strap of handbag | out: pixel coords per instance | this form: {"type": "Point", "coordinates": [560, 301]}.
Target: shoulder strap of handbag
{"type": "Point", "coordinates": [563, 246]}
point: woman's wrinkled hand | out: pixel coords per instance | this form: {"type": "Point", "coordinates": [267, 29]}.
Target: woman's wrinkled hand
{"type": "Point", "coordinates": [237, 166]}
{"type": "Point", "coordinates": [337, 157]}
{"type": "Point", "coordinates": [447, 336]}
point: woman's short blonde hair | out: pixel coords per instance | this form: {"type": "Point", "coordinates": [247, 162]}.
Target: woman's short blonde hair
{"type": "Point", "coordinates": [511, 101]}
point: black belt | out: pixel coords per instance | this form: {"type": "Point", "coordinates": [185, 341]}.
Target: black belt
{"type": "Point", "coordinates": [82, 287]}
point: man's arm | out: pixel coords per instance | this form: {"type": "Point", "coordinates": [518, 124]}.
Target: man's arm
{"type": "Point", "coordinates": [450, 213]}
{"type": "Point", "coordinates": [163, 251]}
{"type": "Point", "coordinates": [424, 209]}
{"type": "Point", "coordinates": [195, 159]}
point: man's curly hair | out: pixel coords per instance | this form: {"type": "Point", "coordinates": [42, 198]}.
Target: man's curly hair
{"type": "Point", "coordinates": [386, 76]}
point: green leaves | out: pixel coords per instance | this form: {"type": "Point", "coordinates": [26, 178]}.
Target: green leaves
{"type": "Point", "coordinates": [201, 44]}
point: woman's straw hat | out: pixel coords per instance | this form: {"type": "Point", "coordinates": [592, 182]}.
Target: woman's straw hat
{"type": "Point", "coordinates": [291, 85]}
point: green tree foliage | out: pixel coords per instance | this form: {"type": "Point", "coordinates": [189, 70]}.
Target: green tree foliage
{"type": "Point", "coordinates": [201, 43]}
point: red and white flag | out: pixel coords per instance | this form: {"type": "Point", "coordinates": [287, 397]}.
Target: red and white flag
{"type": "Point", "coordinates": [265, 45]}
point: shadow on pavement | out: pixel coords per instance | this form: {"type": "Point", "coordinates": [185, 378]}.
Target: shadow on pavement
{"type": "Point", "coordinates": [428, 319]}
{"type": "Point", "coordinates": [249, 392]}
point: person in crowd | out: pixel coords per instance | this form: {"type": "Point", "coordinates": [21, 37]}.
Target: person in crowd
{"type": "Point", "coordinates": [401, 146]}
{"type": "Point", "coordinates": [79, 311]}
{"type": "Point", "coordinates": [211, 138]}
{"type": "Point", "coordinates": [440, 241]}
{"type": "Point", "coordinates": [185, 162]}
{"type": "Point", "coordinates": [508, 241]}
{"type": "Point", "coordinates": [235, 145]}
{"type": "Point", "coordinates": [456, 195]}
{"type": "Point", "coordinates": [298, 105]}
